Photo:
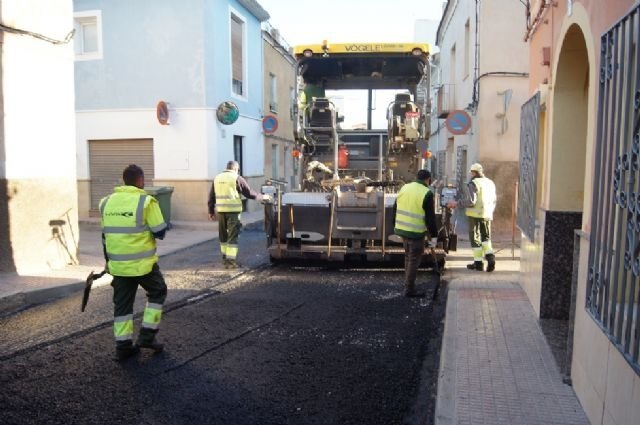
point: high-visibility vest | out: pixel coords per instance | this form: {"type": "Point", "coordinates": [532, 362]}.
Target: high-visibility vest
{"type": "Point", "coordinates": [129, 218]}
{"type": "Point", "coordinates": [227, 196]}
{"type": "Point", "coordinates": [410, 215]}
{"type": "Point", "coordinates": [486, 199]}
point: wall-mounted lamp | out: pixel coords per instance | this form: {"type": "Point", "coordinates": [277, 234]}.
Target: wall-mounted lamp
{"type": "Point", "coordinates": [162, 112]}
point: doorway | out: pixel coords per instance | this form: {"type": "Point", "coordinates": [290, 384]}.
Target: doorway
{"type": "Point", "coordinates": [566, 194]}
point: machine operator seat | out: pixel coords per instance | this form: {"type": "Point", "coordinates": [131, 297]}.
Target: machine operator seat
{"type": "Point", "coordinates": [404, 119]}
{"type": "Point", "coordinates": [320, 114]}
{"type": "Point", "coordinates": [402, 105]}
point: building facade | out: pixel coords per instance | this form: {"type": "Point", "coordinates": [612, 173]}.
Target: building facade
{"type": "Point", "coordinates": [38, 195]}
{"type": "Point", "coordinates": [150, 76]}
{"type": "Point", "coordinates": [478, 77]}
{"type": "Point", "coordinates": [580, 181]}
{"type": "Point", "coordinates": [279, 99]}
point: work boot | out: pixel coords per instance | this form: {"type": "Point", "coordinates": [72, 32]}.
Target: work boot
{"type": "Point", "coordinates": [231, 265]}
{"type": "Point", "coordinates": [153, 345]}
{"type": "Point", "coordinates": [476, 265]}
{"type": "Point", "coordinates": [124, 353]}
{"type": "Point", "coordinates": [491, 262]}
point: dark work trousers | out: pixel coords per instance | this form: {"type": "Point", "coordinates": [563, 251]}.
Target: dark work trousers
{"type": "Point", "coordinates": [479, 231]}
{"type": "Point", "coordinates": [124, 295]}
{"type": "Point", "coordinates": [229, 227]}
{"type": "Point", "coordinates": [413, 250]}
{"type": "Point", "coordinates": [480, 237]}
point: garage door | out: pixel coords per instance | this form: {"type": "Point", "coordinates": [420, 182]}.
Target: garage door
{"type": "Point", "coordinates": [107, 160]}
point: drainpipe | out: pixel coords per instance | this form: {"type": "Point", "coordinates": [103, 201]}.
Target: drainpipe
{"type": "Point", "coordinates": [475, 98]}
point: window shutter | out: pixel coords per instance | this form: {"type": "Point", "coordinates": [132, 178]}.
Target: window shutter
{"type": "Point", "coordinates": [236, 49]}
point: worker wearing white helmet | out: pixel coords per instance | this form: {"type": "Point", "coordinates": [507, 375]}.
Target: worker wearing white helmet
{"type": "Point", "coordinates": [479, 204]}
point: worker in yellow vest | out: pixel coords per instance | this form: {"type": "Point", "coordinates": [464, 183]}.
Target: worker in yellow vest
{"type": "Point", "coordinates": [479, 203]}
{"type": "Point", "coordinates": [131, 222]}
{"type": "Point", "coordinates": [225, 205]}
{"type": "Point", "coordinates": [415, 219]}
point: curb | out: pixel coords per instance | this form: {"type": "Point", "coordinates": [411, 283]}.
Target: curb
{"type": "Point", "coordinates": [21, 300]}
{"type": "Point", "coordinates": [445, 395]}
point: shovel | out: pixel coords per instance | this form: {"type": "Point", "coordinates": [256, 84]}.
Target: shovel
{"type": "Point", "coordinates": [87, 289]}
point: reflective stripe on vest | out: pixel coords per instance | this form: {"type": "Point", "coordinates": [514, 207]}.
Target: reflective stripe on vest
{"type": "Point", "coordinates": [227, 196]}
{"type": "Point", "coordinates": [486, 199]}
{"type": "Point", "coordinates": [130, 246]}
{"type": "Point", "coordinates": [410, 215]}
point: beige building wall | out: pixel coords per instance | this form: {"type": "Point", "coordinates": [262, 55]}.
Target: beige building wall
{"type": "Point", "coordinates": [500, 79]}
{"type": "Point", "coordinates": [279, 64]}
{"type": "Point", "coordinates": [607, 386]}
{"type": "Point", "coordinates": [38, 196]}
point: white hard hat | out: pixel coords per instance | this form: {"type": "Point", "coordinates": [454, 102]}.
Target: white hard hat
{"type": "Point", "coordinates": [476, 167]}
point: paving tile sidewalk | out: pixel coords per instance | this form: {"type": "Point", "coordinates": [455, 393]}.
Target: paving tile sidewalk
{"type": "Point", "coordinates": [496, 366]}
{"type": "Point", "coordinates": [20, 291]}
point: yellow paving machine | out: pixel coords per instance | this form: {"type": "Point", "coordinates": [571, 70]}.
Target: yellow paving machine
{"type": "Point", "coordinates": [349, 172]}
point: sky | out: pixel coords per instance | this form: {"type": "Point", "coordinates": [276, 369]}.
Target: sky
{"type": "Point", "coordinates": [339, 21]}
{"type": "Point", "coordinates": [345, 21]}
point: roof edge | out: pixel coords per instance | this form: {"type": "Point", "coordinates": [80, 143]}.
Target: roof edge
{"type": "Point", "coordinates": [255, 9]}
{"type": "Point", "coordinates": [444, 14]}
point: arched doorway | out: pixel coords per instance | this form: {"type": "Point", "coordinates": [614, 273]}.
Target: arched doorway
{"type": "Point", "coordinates": [569, 126]}
{"type": "Point", "coordinates": [566, 185]}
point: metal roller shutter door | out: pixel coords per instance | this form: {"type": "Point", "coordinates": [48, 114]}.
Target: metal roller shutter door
{"type": "Point", "coordinates": [107, 160]}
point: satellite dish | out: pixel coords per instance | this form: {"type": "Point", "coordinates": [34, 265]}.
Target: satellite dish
{"type": "Point", "coordinates": [227, 113]}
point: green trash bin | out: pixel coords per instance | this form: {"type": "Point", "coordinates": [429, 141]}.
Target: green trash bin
{"type": "Point", "coordinates": [163, 196]}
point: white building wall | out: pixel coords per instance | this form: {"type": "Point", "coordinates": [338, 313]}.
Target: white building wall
{"type": "Point", "coordinates": [457, 80]}
{"type": "Point", "coordinates": [179, 151]}
{"type": "Point", "coordinates": [252, 150]}
{"type": "Point", "coordinates": [37, 79]}
{"type": "Point", "coordinates": [188, 152]}
{"type": "Point", "coordinates": [38, 195]}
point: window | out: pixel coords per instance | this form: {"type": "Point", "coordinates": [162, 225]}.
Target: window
{"type": "Point", "coordinates": [613, 295]}
{"type": "Point", "coordinates": [452, 79]}
{"type": "Point", "coordinates": [88, 36]}
{"type": "Point", "coordinates": [274, 161]}
{"type": "Point", "coordinates": [452, 66]}
{"type": "Point", "coordinates": [286, 160]}
{"type": "Point", "coordinates": [273, 93]}
{"type": "Point", "coordinates": [237, 55]}
{"type": "Point", "coordinates": [292, 102]}
{"type": "Point", "coordinates": [467, 48]}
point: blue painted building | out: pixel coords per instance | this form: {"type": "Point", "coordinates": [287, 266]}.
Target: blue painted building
{"type": "Point", "coordinates": [149, 76]}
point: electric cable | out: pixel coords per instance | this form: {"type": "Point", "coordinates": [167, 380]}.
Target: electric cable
{"type": "Point", "coordinates": [18, 31]}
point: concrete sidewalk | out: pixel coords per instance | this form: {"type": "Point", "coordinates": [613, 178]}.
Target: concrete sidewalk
{"type": "Point", "coordinates": [495, 365]}
{"type": "Point", "coordinates": [17, 291]}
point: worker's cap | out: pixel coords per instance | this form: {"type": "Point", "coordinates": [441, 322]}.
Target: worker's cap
{"type": "Point", "coordinates": [476, 167]}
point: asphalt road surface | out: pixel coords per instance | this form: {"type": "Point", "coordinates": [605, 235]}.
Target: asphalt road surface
{"type": "Point", "coordinates": [262, 345]}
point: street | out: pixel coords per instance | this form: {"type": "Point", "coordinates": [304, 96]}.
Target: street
{"type": "Point", "coordinates": [262, 345]}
